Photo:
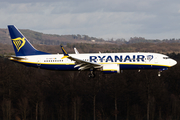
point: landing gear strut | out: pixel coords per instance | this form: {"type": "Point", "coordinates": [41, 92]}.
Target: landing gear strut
{"type": "Point", "coordinates": [160, 70]}
{"type": "Point", "coordinates": [159, 73]}
{"type": "Point", "coordinates": [91, 74]}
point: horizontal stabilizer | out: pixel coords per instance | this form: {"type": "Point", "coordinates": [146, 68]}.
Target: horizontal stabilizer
{"type": "Point", "coordinates": [16, 58]}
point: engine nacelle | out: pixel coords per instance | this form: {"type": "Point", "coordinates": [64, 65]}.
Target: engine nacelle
{"type": "Point", "coordinates": [111, 68]}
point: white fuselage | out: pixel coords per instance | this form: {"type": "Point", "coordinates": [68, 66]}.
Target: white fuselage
{"type": "Point", "coordinates": [134, 60]}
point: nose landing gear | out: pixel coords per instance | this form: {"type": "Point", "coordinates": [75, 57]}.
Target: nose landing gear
{"type": "Point", "coordinates": [159, 73]}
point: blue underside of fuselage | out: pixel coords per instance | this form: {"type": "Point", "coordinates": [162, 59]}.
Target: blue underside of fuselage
{"type": "Point", "coordinates": [65, 67]}
{"type": "Point", "coordinates": [53, 66]}
{"type": "Point", "coordinates": [125, 67]}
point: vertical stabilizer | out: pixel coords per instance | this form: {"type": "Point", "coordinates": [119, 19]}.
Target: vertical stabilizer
{"type": "Point", "coordinates": [22, 46]}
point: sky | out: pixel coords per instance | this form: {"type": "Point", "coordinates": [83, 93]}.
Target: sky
{"type": "Point", "coordinates": [151, 19]}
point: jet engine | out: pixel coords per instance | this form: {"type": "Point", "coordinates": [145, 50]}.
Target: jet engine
{"type": "Point", "coordinates": [111, 68]}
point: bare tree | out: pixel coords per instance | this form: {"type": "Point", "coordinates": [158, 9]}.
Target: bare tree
{"type": "Point", "coordinates": [6, 108]}
{"type": "Point", "coordinates": [23, 107]}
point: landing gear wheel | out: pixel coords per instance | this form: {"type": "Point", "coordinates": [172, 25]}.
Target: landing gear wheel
{"type": "Point", "coordinates": [159, 73]}
{"type": "Point", "coordinates": [91, 75]}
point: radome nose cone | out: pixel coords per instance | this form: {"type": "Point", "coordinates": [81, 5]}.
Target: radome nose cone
{"type": "Point", "coordinates": [173, 62]}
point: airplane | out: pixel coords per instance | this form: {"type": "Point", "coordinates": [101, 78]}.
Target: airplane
{"type": "Point", "coordinates": [106, 62]}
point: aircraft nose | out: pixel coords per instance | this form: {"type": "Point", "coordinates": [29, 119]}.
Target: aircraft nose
{"type": "Point", "coordinates": [172, 62]}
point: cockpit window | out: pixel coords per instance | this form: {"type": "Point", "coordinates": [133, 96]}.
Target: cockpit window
{"type": "Point", "coordinates": [165, 57]}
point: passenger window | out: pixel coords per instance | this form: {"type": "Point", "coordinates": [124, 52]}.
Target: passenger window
{"type": "Point", "coordinates": [165, 57]}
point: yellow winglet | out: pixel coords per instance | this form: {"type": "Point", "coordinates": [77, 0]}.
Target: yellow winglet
{"type": "Point", "coordinates": [64, 52]}
{"type": "Point", "coordinates": [64, 57]}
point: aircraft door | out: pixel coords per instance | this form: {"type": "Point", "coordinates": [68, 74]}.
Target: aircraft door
{"type": "Point", "coordinates": [156, 59]}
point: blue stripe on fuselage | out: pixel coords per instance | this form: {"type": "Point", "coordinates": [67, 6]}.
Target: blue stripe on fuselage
{"type": "Point", "coordinates": [71, 67]}
{"type": "Point", "coordinates": [126, 66]}
{"type": "Point", "coordinates": [62, 67]}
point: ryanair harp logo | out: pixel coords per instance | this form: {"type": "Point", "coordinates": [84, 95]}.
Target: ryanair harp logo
{"type": "Point", "coordinates": [149, 57]}
{"type": "Point", "coordinates": [19, 43]}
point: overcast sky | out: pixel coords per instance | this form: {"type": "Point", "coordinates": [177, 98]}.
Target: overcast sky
{"type": "Point", "coordinates": [151, 19]}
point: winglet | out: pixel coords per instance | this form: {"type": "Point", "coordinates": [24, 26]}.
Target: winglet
{"type": "Point", "coordinates": [64, 52]}
{"type": "Point", "coordinates": [76, 51]}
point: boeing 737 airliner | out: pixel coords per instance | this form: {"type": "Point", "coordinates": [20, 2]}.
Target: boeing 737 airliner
{"type": "Point", "coordinates": [107, 62]}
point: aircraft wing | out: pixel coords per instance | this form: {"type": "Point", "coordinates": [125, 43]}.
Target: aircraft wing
{"type": "Point", "coordinates": [83, 65]}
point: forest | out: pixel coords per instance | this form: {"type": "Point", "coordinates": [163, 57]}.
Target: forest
{"type": "Point", "coordinates": [28, 93]}
{"type": "Point", "coordinates": [56, 39]}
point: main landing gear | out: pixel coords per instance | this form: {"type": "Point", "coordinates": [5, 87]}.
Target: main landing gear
{"type": "Point", "coordinates": [91, 74]}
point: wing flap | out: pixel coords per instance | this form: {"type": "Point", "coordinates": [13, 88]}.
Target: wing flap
{"type": "Point", "coordinates": [78, 65]}
{"type": "Point", "coordinates": [84, 67]}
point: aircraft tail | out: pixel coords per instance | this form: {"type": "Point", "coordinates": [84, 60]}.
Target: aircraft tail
{"type": "Point", "coordinates": [22, 46]}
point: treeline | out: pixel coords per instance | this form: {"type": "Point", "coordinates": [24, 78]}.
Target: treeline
{"type": "Point", "coordinates": [143, 40]}
{"type": "Point", "coordinates": [6, 49]}
{"type": "Point", "coordinates": [134, 47]}
{"type": "Point", "coordinates": [50, 39]}
{"type": "Point", "coordinates": [35, 94]}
